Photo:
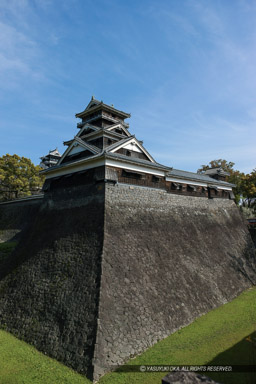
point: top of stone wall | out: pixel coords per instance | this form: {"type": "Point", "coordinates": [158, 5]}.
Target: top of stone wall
{"type": "Point", "coordinates": [23, 199]}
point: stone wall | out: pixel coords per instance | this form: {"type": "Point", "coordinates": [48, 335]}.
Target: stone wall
{"type": "Point", "coordinates": [49, 287]}
{"type": "Point", "coordinates": [252, 231]}
{"type": "Point", "coordinates": [103, 271]}
{"type": "Point", "coordinates": [16, 216]}
{"type": "Point", "coordinates": [167, 259]}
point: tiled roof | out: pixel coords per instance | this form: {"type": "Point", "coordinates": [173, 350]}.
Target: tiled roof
{"type": "Point", "coordinates": [138, 161]}
{"type": "Point", "coordinates": [216, 171]}
{"type": "Point", "coordinates": [90, 146]}
{"type": "Point", "coordinates": [104, 132]}
{"type": "Point", "coordinates": [101, 105]}
{"type": "Point", "coordinates": [197, 177]}
{"type": "Point", "coordinates": [54, 152]}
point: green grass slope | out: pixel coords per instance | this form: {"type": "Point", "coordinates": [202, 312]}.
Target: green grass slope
{"type": "Point", "coordinates": [23, 364]}
{"type": "Point", "coordinates": [225, 335]}
{"type": "Point", "coordinates": [6, 249]}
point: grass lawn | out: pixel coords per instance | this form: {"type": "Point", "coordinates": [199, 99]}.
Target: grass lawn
{"type": "Point", "coordinates": [224, 336]}
{"type": "Point", "coordinates": [8, 246]}
{"type": "Point", "coordinates": [6, 249]}
{"type": "Point", "coordinates": [23, 364]}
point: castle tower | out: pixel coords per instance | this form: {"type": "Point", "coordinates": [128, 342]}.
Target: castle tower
{"type": "Point", "coordinates": [50, 159]}
{"type": "Point", "coordinates": [121, 251]}
{"type": "Point", "coordinates": [104, 149]}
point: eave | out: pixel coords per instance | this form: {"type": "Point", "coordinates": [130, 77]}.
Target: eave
{"type": "Point", "coordinates": [137, 161]}
{"type": "Point", "coordinates": [105, 132]}
{"type": "Point", "coordinates": [65, 167]}
{"type": "Point", "coordinates": [102, 157]}
{"type": "Point", "coordinates": [103, 106]}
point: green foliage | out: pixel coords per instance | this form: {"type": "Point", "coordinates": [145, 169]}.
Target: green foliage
{"type": "Point", "coordinates": [220, 163]}
{"type": "Point", "coordinates": [245, 183]}
{"type": "Point", "coordinates": [249, 189]}
{"type": "Point", "coordinates": [19, 177]}
{"type": "Point", "coordinates": [6, 249]}
{"type": "Point", "coordinates": [248, 213]}
{"type": "Point", "coordinates": [237, 178]}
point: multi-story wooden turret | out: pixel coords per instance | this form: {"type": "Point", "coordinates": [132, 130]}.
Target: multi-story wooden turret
{"type": "Point", "coordinates": [104, 149]}
{"type": "Point", "coordinates": [51, 159]}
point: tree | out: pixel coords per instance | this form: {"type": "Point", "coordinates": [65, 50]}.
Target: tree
{"type": "Point", "coordinates": [19, 177]}
{"type": "Point", "coordinates": [249, 189]}
{"type": "Point", "coordinates": [220, 163]}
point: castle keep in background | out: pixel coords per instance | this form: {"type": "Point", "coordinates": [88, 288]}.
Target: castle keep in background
{"type": "Point", "coordinates": [120, 251]}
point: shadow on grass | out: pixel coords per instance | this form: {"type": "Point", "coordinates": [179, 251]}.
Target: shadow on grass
{"type": "Point", "coordinates": [6, 249]}
{"type": "Point", "coordinates": [242, 354]}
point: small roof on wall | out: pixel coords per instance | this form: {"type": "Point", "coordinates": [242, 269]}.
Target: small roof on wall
{"type": "Point", "coordinates": [216, 171]}
{"type": "Point", "coordinates": [197, 177]}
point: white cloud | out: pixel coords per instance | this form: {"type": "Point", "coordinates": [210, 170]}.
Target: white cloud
{"type": "Point", "coordinates": [23, 44]}
{"type": "Point", "coordinates": [17, 54]}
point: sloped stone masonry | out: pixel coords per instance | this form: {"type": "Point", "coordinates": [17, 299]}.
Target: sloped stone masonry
{"type": "Point", "coordinates": [167, 259]}
{"type": "Point", "coordinates": [103, 271]}
{"type": "Point", "coordinates": [49, 287]}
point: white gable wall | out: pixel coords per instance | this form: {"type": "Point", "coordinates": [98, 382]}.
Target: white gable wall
{"type": "Point", "coordinates": [76, 149]}
{"type": "Point", "coordinates": [132, 147]}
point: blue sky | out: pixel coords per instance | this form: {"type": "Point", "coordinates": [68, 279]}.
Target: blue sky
{"type": "Point", "coordinates": [185, 70]}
